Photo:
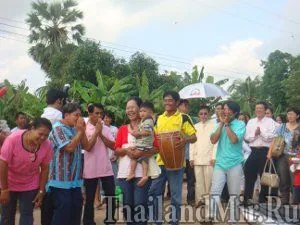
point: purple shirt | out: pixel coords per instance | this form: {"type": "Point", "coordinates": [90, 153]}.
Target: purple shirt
{"type": "Point", "coordinates": [97, 162]}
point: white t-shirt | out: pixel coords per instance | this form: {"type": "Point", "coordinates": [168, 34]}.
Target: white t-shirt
{"type": "Point", "coordinates": [52, 114]}
{"type": "Point", "coordinates": [124, 163]}
{"type": "Point", "coordinates": [15, 129]}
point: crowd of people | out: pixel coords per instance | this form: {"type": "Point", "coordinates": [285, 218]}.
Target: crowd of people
{"type": "Point", "coordinates": [57, 161]}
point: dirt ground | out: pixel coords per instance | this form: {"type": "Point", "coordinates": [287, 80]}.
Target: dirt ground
{"type": "Point", "coordinates": [100, 214]}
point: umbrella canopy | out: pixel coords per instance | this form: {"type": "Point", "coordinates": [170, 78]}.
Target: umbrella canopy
{"type": "Point", "coordinates": [202, 90]}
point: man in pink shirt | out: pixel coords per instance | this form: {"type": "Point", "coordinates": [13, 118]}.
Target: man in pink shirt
{"type": "Point", "coordinates": [97, 165]}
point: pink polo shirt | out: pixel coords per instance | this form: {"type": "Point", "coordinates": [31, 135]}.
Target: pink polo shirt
{"type": "Point", "coordinates": [23, 167]}
{"type": "Point", "coordinates": [97, 162]}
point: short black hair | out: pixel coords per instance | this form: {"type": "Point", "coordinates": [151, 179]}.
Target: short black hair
{"type": "Point", "coordinates": [137, 100]}
{"type": "Point", "coordinates": [147, 105]}
{"type": "Point", "coordinates": [234, 107]}
{"type": "Point", "coordinates": [219, 103]}
{"type": "Point", "coordinates": [183, 101]}
{"type": "Point", "coordinates": [20, 114]}
{"type": "Point", "coordinates": [53, 95]}
{"type": "Point", "coordinates": [91, 107]}
{"type": "Point", "coordinates": [173, 94]}
{"type": "Point", "coordinates": [282, 116]}
{"type": "Point", "coordinates": [271, 109]}
{"type": "Point", "coordinates": [69, 108]}
{"type": "Point", "coordinates": [293, 109]}
{"type": "Point", "coordinates": [109, 114]}
{"type": "Point", "coordinates": [204, 107]}
{"type": "Point", "coordinates": [262, 103]}
{"type": "Point", "coordinates": [40, 122]}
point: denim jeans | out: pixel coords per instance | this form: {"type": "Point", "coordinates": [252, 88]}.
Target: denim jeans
{"type": "Point", "coordinates": [175, 180]}
{"type": "Point", "coordinates": [233, 177]}
{"type": "Point", "coordinates": [25, 206]}
{"type": "Point", "coordinates": [135, 201]}
{"type": "Point", "coordinates": [108, 185]}
{"type": "Point", "coordinates": [67, 205]}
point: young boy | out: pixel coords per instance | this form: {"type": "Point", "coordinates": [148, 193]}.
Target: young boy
{"type": "Point", "coordinates": [144, 141]}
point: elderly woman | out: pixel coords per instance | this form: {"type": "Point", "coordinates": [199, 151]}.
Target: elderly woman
{"type": "Point", "coordinates": [133, 195]}
{"type": "Point", "coordinates": [24, 167]}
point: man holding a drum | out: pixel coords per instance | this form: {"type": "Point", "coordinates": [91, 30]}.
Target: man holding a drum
{"type": "Point", "coordinates": [173, 131]}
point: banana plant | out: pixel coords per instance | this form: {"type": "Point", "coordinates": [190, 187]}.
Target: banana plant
{"type": "Point", "coordinates": [113, 98]}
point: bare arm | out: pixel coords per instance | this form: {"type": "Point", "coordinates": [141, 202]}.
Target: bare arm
{"type": "Point", "coordinates": [214, 138]}
{"type": "Point", "coordinates": [3, 174]}
{"type": "Point", "coordinates": [44, 176]}
{"type": "Point", "coordinates": [74, 142]}
{"type": "Point", "coordinates": [231, 135]}
{"type": "Point", "coordinates": [91, 142]}
{"type": "Point", "coordinates": [108, 143]}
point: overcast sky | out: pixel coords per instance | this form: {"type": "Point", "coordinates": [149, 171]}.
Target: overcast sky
{"type": "Point", "coordinates": [228, 37]}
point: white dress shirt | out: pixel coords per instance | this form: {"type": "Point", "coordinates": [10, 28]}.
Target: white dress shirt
{"type": "Point", "coordinates": [267, 132]}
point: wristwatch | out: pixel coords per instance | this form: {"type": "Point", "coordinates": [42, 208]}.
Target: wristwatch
{"type": "Point", "coordinates": [226, 125]}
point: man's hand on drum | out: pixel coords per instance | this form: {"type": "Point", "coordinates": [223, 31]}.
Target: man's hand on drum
{"type": "Point", "coordinates": [180, 143]}
{"type": "Point", "coordinates": [192, 163]}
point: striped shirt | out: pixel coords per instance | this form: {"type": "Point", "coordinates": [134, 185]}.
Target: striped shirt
{"type": "Point", "coordinates": [65, 167]}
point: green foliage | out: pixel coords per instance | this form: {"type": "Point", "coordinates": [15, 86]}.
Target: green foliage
{"type": "Point", "coordinates": [246, 93]}
{"type": "Point", "coordinates": [139, 64]}
{"type": "Point", "coordinates": [113, 98]}
{"type": "Point", "coordinates": [19, 99]}
{"type": "Point", "coordinates": [292, 84]}
{"type": "Point", "coordinates": [276, 70]}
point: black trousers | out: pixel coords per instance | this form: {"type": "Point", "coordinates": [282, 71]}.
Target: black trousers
{"type": "Point", "coordinates": [108, 185]}
{"type": "Point", "coordinates": [190, 178]}
{"type": "Point", "coordinates": [254, 166]}
{"type": "Point", "coordinates": [47, 209]}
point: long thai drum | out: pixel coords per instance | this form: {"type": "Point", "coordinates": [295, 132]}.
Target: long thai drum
{"type": "Point", "coordinates": [173, 159]}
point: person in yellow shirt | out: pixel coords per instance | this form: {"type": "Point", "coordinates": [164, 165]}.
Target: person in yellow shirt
{"type": "Point", "coordinates": [171, 121]}
{"type": "Point", "coordinates": [202, 154]}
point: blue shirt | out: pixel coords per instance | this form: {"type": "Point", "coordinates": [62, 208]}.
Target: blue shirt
{"type": "Point", "coordinates": [229, 154]}
{"type": "Point", "coordinates": [290, 137]}
{"type": "Point", "coordinates": [65, 167]}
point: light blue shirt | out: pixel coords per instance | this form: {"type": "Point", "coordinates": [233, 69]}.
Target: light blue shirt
{"type": "Point", "coordinates": [229, 154]}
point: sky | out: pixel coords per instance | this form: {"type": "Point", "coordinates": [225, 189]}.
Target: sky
{"type": "Point", "coordinates": [228, 37]}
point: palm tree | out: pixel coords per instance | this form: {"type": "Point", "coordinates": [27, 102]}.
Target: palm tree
{"type": "Point", "coordinates": [246, 92]}
{"type": "Point", "coordinates": [52, 26]}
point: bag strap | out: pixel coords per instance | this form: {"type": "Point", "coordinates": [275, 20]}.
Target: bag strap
{"type": "Point", "coordinates": [273, 165]}
{"type": "Point", "coordinates": [266, 165]}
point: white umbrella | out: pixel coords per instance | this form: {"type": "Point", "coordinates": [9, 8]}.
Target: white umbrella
{"type": "Point", "coordinates": [202, 90]}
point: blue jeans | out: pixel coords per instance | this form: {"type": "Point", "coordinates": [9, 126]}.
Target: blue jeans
{"type": "Point", "coordinates": [67, 205]}
{"type": "Point", "coordinates": [25, 206]}
{"type": "Point", "coordinates": [134, 199]}
{"type": "Point", "coordinates": [233, 177]}
{"type": "Point", "coordinates": [175, 180]}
